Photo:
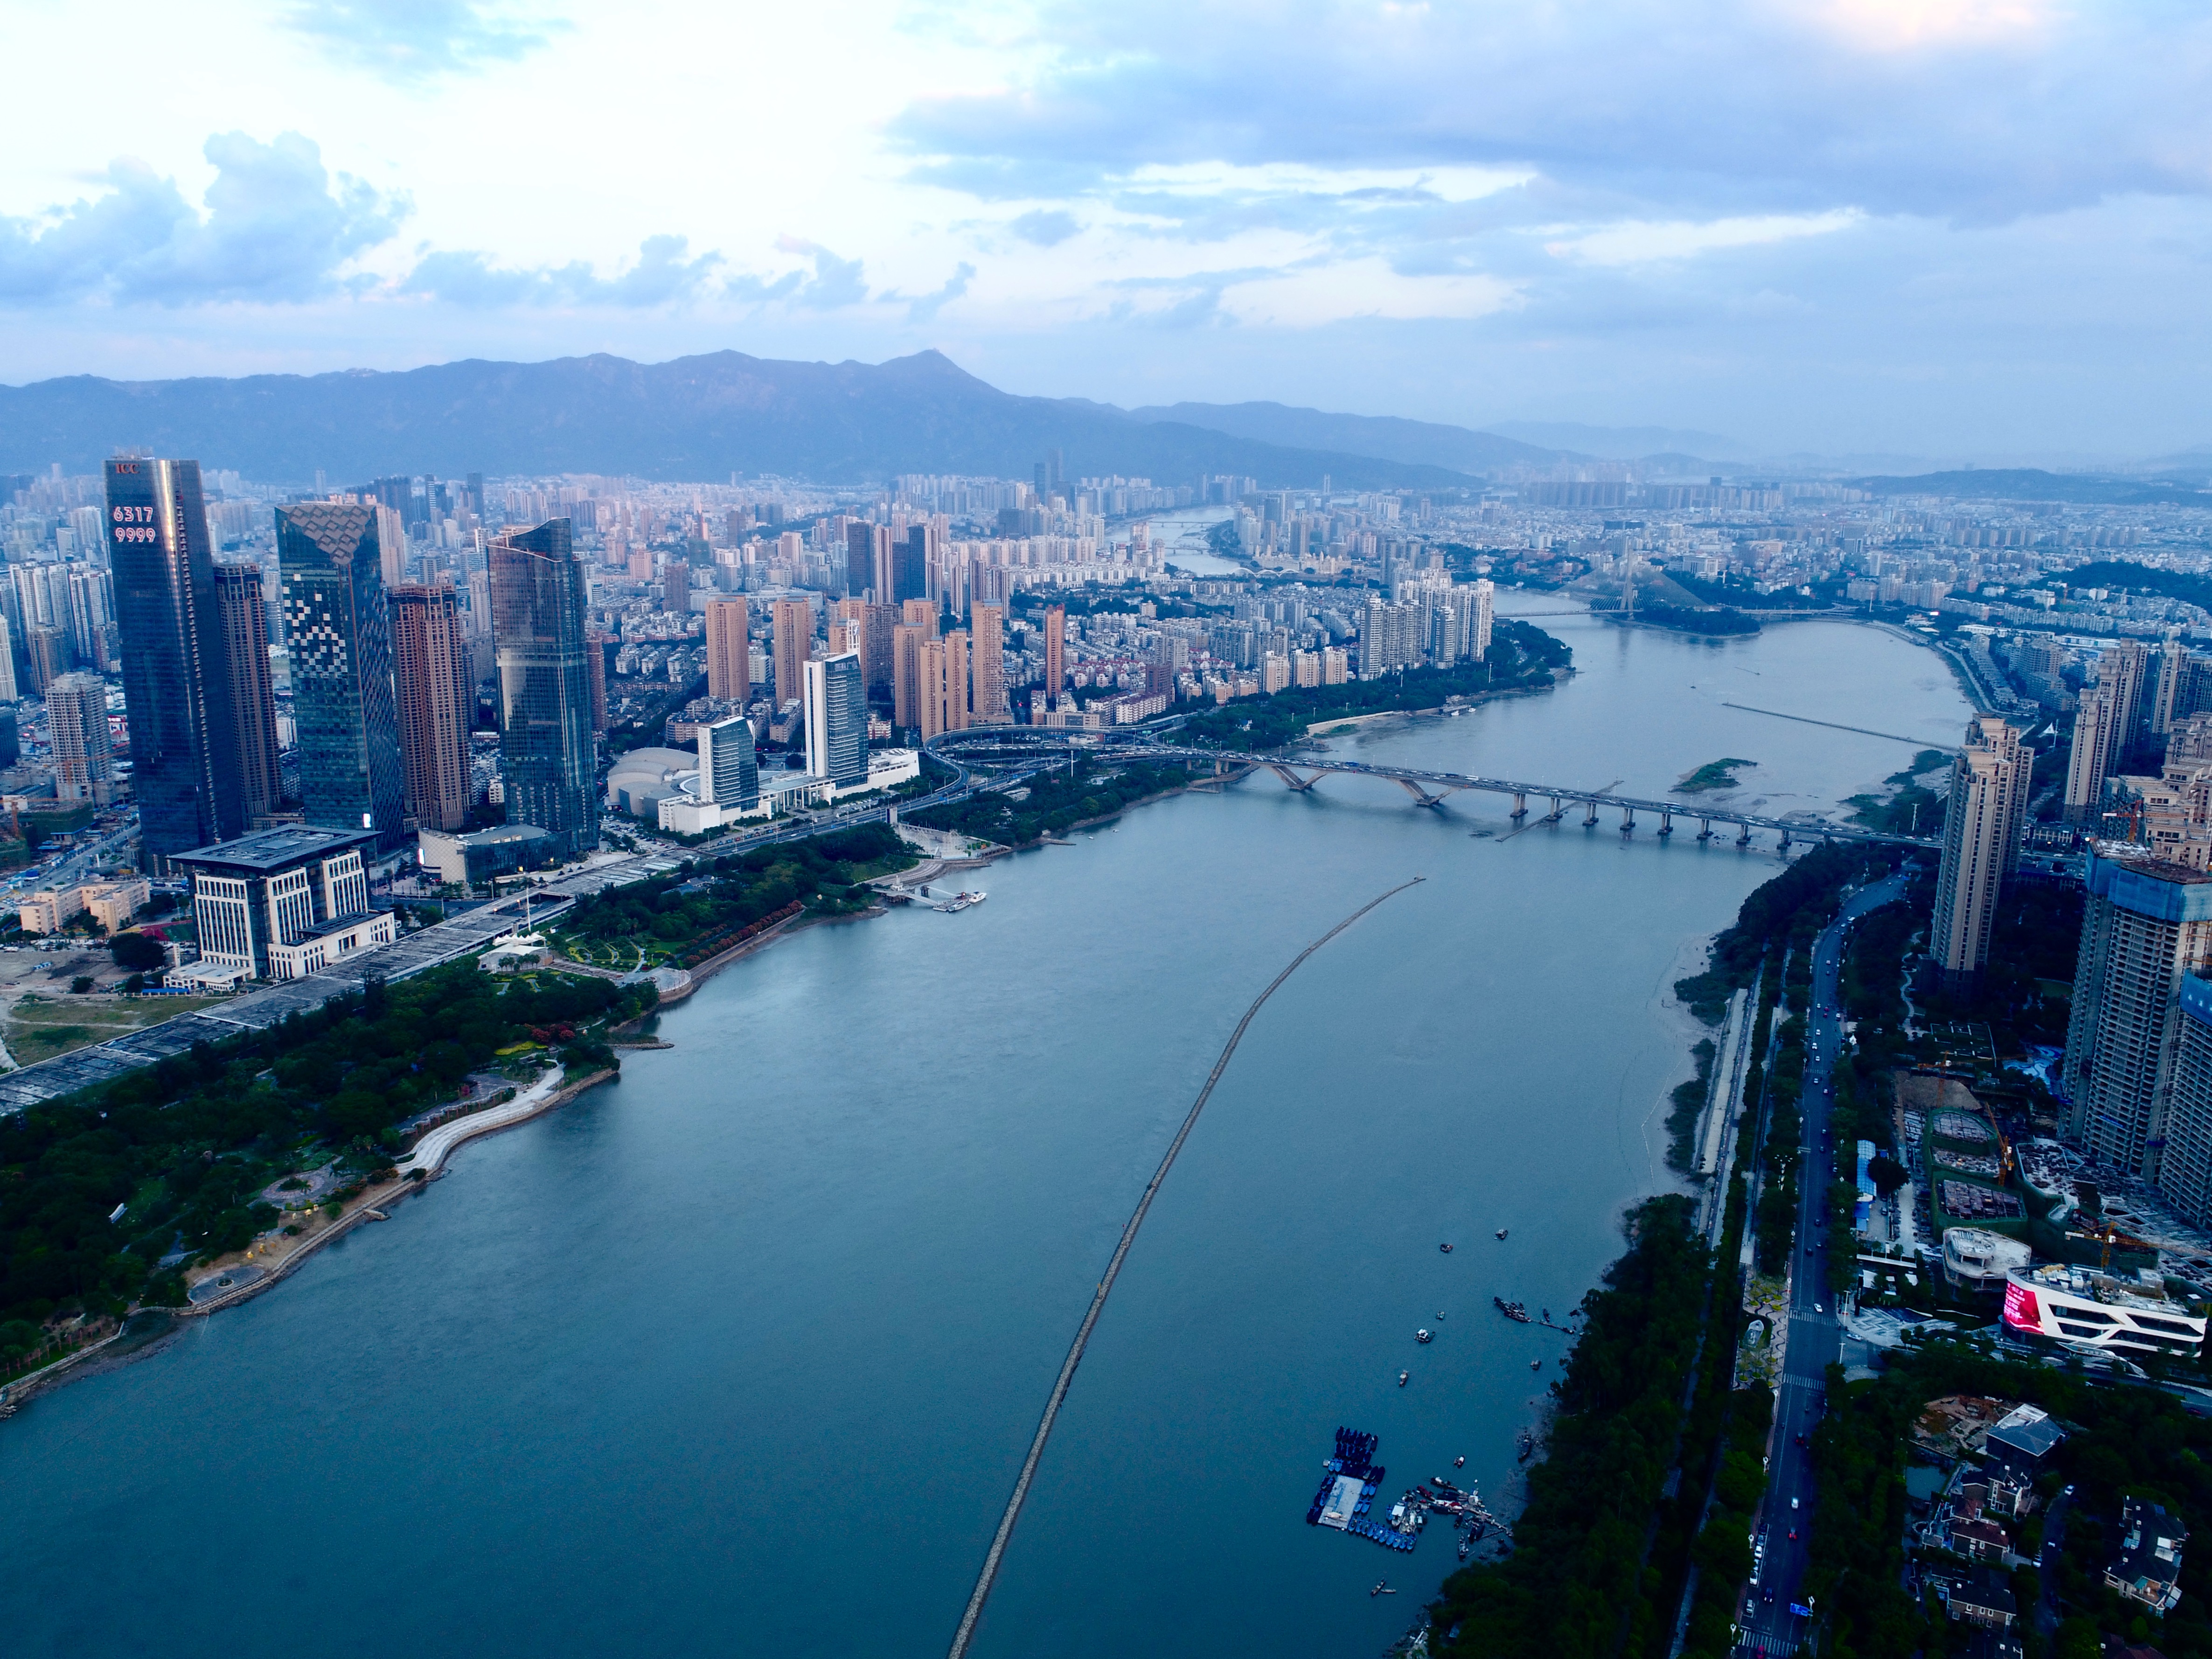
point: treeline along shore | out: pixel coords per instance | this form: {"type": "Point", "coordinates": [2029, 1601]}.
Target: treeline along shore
{"type": "Point", "coordinates": [1611, 1544]}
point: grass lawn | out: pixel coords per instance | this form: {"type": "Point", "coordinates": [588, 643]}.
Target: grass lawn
{"type": "Point", "coordinates": [41, 1029]}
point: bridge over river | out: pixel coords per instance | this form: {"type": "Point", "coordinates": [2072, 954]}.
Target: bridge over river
{"type": "Point", "coordinates": [1025, 746]}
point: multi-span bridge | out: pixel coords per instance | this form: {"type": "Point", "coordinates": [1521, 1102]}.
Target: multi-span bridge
{"type": "Point", "coordinates": [1024, 746]}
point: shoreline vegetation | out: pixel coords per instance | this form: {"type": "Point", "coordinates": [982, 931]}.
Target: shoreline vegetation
{"type": "Point", "coordinates": [1713, 775]}
{"type": "Point", "coordinates": [1522, 657]}
{"type": "Point", "coordinates": [234, 1156]}
{"type": "Point", "coordinates": [1610, 1545]}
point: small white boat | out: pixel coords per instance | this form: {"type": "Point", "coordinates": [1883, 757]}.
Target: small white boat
{"type": "Point", "coordinates": [1402, 1376]}
{"type": "Point", "coordinates": [1424, 1336]}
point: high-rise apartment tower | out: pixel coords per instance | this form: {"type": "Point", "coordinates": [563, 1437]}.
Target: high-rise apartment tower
{"type": "Point", "coordinates": [84, 757]}
{"type": "Point", "coordinates": [1982, 824]}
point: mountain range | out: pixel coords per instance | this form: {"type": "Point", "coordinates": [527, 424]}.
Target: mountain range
{"type": "Point", "coordinates": [694, 418]}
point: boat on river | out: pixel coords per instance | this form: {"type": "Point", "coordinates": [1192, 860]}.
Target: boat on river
{"type": "Point", "coordinates": [1516, 1311]}
{"type": "Point", "coordinates": [1425, 1335]}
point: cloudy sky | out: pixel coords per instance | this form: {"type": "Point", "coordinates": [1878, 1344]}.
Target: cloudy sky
{"type": "Point", "coordinates": [1965, 228]}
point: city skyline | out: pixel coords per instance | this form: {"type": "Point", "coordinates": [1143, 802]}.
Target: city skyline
{"type": "Point", "coordinates": [1872, 243]}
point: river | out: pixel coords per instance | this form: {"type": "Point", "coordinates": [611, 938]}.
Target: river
{"type": "Point", "coordinates": [742, 1354]}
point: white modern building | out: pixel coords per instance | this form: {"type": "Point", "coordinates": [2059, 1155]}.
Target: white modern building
{"type": "Point", "coordinates": [2081, 1308]}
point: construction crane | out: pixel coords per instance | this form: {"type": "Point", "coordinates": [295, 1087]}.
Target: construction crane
{"type": "Point", "coordinates": [2109, 1235]}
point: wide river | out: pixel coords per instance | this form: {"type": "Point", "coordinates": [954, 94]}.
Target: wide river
{"type": "Point", "coordinates": [742, 1354]}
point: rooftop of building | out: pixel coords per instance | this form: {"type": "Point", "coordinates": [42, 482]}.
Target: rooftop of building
{"type": "Point", "coordinates": [498, 834]}
{"type": "Point", "coordinates": [2146, 1290]}
{"type": "Point", "coordinates": [265, 851]}
{"type": "Point", "coordinates": [335, 925]}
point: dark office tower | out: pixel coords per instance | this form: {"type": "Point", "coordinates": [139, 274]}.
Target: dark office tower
{"type": "Point", "coordinates": [176, 675]}
{"type": "Point", "coordinates": [436, 701]}
{"type": "Point", "coordinates": [859, 558]}
{"type": "Point", "coordinates": [245, 617]}
{"type": "Point", "coordinates": [546, 753]}
{"type": "Point", "coordinates": [339, 627]}
{"type": "Point", "coordinates": [475, 494]}
{"type": "Point", "coordinates": [911, 573]}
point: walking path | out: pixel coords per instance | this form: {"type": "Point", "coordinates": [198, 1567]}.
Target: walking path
{"type": "Point", "coordinates": [430, 1153]}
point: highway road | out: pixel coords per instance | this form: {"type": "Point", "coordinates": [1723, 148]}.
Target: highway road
{"type": "Point", "coordinates": [1815, 1336]}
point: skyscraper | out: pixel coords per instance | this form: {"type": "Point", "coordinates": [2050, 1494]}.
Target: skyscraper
{"type": "Point", "coordinates": [2145, 925]}
{"type": "Point", "coordinates": [8, 692]}
{"type": "Point", "coordinates": [437, 702]}
{"type": "Point", "coordinates": [859, 556]}
{"type": "Point", "coordinates": [2104, 728]}
{"type": "Point", "coordinates": [176, 675]}
{"type": "Point", "coordinates": [1981, 841]}
{"type": "Point", "coordinates": [793, 625]}
{"type": "Point", "coordinates": [1056, 655]}
{"type": "Point", "coordinates": [84, 758]}
{"type": "Point", "coordinates": [952, 689]}
{"type": "Point", "coordinates": [929, 676]}
{"type": "Point", "coordinates": [241, 605]}
{"type": "Point", "coordinates": [988, 665]}
{"type": "Point", "coordinates": [676, 585]}
{"type": "Point", "coordinates": [339, 627]}
{"type": "Point", "coordinates": [2096, 729]}
{"type": "Point", "coordinates": [907, 641]}
{"type": "Point", "coordinates": [50, 656]}
{"type": "Point", "coordinates": [547, 755]}
{"type": "Point", "coordinates": [729, 668]}
{"type": "Point", "coordinates": [595, 664]}
{"type": "Point", "coordinates": [910, 572]}
{"type": "Point", "coordinates": [729, 770]}
{"type": "Point", "coordinates": [837, 719]}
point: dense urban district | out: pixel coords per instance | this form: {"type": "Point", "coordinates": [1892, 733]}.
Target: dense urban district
{"type": "Point", "coordinates": [341, 823]}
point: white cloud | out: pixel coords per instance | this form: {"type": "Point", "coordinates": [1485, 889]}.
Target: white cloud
{"type": "Point", "coordinates": [1641, 242]}
{"type": "Point", "coordinates": [1366, 288]}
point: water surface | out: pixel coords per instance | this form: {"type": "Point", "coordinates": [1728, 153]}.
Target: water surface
{"type": "Point", "coordinates": [744, 1353]}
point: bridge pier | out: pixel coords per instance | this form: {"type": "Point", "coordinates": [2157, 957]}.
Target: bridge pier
{"type": "Point", "coordinates": [1665, 823]}
{"type": "Point", "coordinates": [1590, 818]}
{"type": "Point", "coordinates": [1558, 810]}
{"type": "Point", "coordinates": [1784, 848]}
{"type": "Point", "coordinates": [1520, 806]}
{"type": "Point", "coordinates": [1705, 832]}
{"type": "Point", "coordinates": [1744, 839]}
{"type": "Point", "coordinates": [1627, 820]}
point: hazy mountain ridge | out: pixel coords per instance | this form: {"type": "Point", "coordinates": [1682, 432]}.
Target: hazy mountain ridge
{"type": "Point", "coordinates": [1384, 436]}
{"type": "Point", "coordinates": [693, 417]}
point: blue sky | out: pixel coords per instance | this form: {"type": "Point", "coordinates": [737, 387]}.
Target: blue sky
{"type": "Point", "coordinates": [1971, 229]}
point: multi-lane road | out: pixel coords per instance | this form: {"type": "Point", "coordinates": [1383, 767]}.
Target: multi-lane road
{"type": "Point", "coordinates": [1770, 1625]}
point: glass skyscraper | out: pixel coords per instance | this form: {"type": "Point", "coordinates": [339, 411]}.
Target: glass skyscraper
{"type": "Point", "coordinates": [837, 719]}
{"type": "Point", "coordinates": [176, 673]}
{"type": "Point", "coordinates": [547, 755]}
{"type": "Point", "coordinates": [339, 631]}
